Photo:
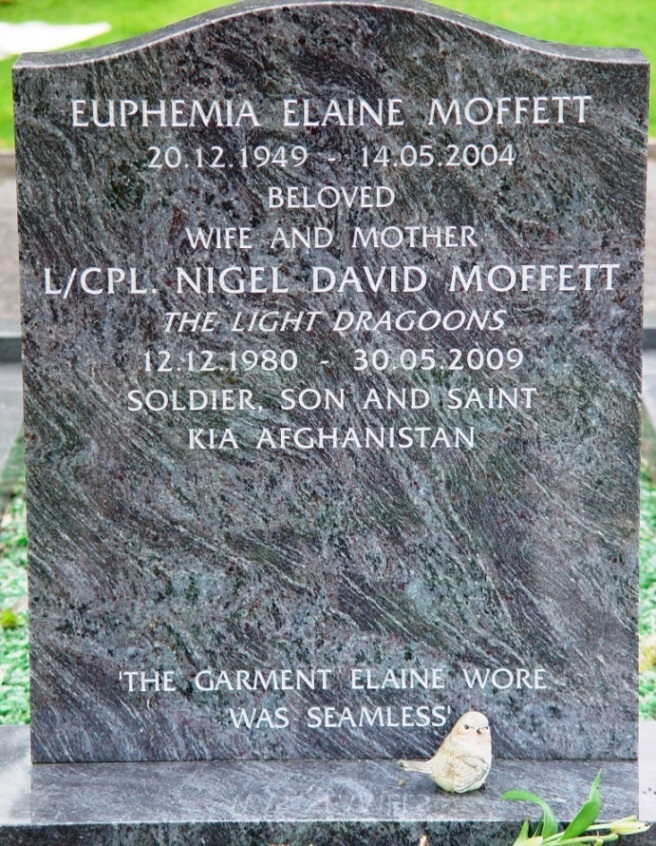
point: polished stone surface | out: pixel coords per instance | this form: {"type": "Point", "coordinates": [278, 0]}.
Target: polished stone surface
{"type": "Point", "coordinates": [263, 802]}
{"type": "Point", "coordinates": [520, 552]}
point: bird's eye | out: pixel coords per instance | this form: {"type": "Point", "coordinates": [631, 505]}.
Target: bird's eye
{"type": "Point", "coordinates": [466, 726]}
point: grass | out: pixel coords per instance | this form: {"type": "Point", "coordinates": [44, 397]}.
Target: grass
{"type": "Point", "coordinates": [127, 18]}
{"type": "Point", "coordinates": [647, 625]}
{"type": "Point", "coordinates": [631, 23]}
{"type": "Point", "coordinates": [628, 24]}
{"type": "Point", "coordinates": [14, 671]}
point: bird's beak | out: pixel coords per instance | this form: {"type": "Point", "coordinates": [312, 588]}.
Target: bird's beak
{"type": "Point", "coordinates": [479, 731]}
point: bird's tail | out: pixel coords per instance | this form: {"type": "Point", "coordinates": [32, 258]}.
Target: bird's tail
{"type": "Point", "coordinates": [416, 766]}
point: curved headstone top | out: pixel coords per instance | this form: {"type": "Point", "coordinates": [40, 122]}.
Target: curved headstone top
{"type": "Point", "coordinates": [254, 7]}
{"type": "Point", "coordinates": [332, 320]}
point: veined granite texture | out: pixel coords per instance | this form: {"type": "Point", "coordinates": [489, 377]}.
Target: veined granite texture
{"type": "Point", "coordinates": [291, 802]}
{"type": "Point", "coordinates": [517, 553]}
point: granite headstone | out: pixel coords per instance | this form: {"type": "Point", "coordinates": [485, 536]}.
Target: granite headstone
{"type": "Point", "coordinates": [332, 319]}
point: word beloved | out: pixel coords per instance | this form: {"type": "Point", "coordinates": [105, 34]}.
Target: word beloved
{"type": "Point", "coordinates": [330, 196]}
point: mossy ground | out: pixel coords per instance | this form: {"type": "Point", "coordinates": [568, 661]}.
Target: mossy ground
{"type": "Point", "coordinates": [647, 598]}
{"type": "Point", "coordinates": [14, 666]}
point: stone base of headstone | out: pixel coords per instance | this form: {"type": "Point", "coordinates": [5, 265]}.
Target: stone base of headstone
{"type": "Point", "coordinates": [296, 803]}
{"type": "Point", "coordinates": [10, 347]}
{"type": "Point", "coordinates": [649, 331]}
{"type": "Point", "coordinates": [7, 164]}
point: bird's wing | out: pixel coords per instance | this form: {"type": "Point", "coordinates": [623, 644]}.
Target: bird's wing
{"type": "Point", "coordinates": [468, 772]}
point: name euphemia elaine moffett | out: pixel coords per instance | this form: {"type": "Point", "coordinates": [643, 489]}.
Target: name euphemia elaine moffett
{"type": "Point", "coordinates": [332, 319]}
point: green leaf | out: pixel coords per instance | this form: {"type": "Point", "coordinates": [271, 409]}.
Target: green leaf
{"type": "Point", "coordinates": [522, 837]}
{"type": "Point", "coordinates": [588, 813]}
{"type": "Point", "coordinates": [549, 823]}
{"type": "Point", "coordinates": [8, 620]}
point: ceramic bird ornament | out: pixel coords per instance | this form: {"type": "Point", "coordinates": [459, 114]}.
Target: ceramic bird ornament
{"type": "Point", "coordinates": [463, 760]}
